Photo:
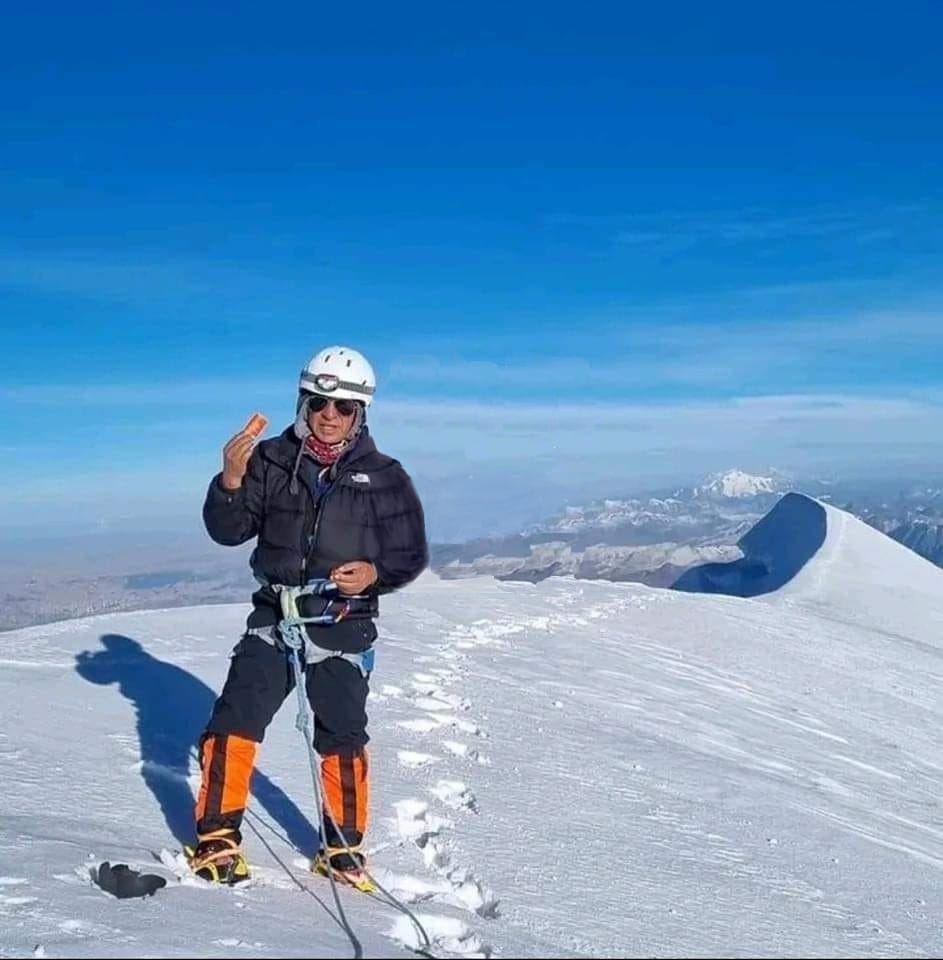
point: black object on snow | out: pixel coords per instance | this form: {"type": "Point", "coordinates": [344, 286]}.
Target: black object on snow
{"type": "Point", "coordinates": [123, 882]}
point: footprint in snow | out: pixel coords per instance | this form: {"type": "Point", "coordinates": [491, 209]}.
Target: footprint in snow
{"type": "Point", "coordinates": [463, 750]}
{"type": "Point", "coordinates": [447, 934]}
{"type": "Point", "coordinates": [454, 794]}
{"type": "Point", "coordinates": [413, 760]}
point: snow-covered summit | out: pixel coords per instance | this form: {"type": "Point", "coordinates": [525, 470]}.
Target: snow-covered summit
{"type": "Point", "coordinates": [741, 769]}
{"type": "Point", "coordinates": [809, 551]}
{"type": "Point", "coordinates": [687, 506]}
{"type": "Point", "coordinates": [737, 485]}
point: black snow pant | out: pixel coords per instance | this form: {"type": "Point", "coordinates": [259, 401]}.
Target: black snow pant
{"type": "Point", "coordinates": [260, 678]}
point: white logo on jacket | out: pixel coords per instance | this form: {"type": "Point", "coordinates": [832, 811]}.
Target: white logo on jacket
{"type": "Point", "coordinates": [360, 477]}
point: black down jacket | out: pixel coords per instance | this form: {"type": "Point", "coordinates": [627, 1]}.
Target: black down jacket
{"type": "Point", "coordinates": [364, 508]}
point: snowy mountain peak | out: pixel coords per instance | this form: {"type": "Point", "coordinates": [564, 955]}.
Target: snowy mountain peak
{"type": "Point", "coordinates": [737, 485]}
{"type": "Point", "coordinates": [808, 550]}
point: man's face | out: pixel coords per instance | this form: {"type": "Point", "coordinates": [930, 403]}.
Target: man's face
{"type": "Point", "coordinates": [329, 424]}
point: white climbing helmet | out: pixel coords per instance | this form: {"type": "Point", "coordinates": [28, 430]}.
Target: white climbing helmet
{"type": "Point", "coordinates": [341, 373]}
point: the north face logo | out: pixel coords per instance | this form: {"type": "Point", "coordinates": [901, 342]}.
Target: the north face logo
{"type": "Point", "coordinates": [360, 477]}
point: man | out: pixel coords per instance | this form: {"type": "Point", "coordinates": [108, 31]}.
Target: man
{"type": "Point", "coordinates": [323, 503]}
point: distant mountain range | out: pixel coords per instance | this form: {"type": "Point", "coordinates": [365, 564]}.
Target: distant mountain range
{"type": "Point", "coordinates": [653, 539]}
{"type": "Point", "coordinates": [914, 518]}
{"type": "Point", "coordinates": [922, 536]}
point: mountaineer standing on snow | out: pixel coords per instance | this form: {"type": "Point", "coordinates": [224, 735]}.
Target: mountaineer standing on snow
{"type": "Point", "coordinates": [324, 503]}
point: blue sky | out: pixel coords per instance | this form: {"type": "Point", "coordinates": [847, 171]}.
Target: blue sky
{"type": "Point", "coordinates": [587, 249]}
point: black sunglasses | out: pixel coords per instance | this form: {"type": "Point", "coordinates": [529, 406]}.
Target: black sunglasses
{"type": "Point", "coordinates": [345, 407]}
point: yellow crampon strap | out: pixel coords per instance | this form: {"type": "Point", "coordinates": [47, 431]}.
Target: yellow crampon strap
{"type": "Point", "coordinates": [208, 866]}
{"type": "Point", "coordinates": [334, 851]}
{"type": "Point", "coordinates": [356, 878]}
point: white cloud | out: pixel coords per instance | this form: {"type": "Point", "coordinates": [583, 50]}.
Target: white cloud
{"type": "Point", "coordinates": [744, 353]}
{"type": "Point", "coordinates": [523, 430]}
{"type": "Point", "coordinates": [105, 276]}
{"type": "Point", "coordinates": [733, 348]}
{"type": "Point", "coordinates": [146, 392]}
{"type": "Point", "coordinates": [486, 467]}
{"type": "Point", "coordinates": [668, 230]}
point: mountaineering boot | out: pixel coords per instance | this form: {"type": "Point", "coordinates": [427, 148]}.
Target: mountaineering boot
{"type": "Point", "coordinates": [218, 859]}
{"type": "Point", "coordinates": [346, 867]}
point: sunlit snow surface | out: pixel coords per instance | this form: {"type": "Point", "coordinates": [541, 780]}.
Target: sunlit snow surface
{"type": "Point", "coordinates": [561, 769]}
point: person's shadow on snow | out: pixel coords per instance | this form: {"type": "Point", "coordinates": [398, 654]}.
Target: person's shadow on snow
{"type": "Point", "coordinates": [172, 708]}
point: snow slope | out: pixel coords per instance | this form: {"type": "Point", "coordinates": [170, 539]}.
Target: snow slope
{"type": "Point", "coordinates": [833, 562]}
{"type": "Point", "coordinates": [567, 769]}
{"type": "Point", "coordinates": [865, 577]}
